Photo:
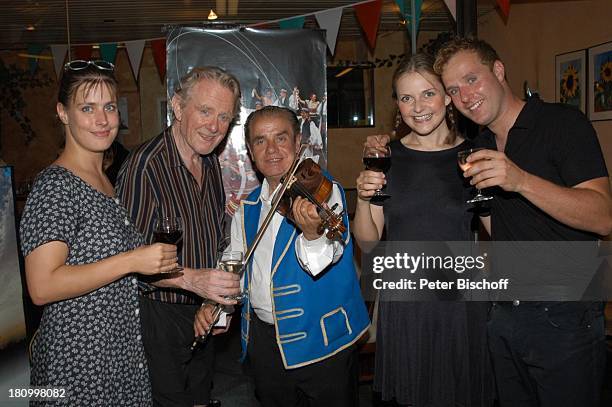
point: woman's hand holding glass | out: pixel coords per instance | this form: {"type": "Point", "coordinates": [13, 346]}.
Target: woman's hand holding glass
{"type": "Point", "coordinates": [369, 183]}
{"type": "Point", "coordinates": [153, 259]}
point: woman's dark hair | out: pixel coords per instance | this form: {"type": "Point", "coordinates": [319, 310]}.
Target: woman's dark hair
{"type": "Point", "coordinates": [89, 77]}
{"type": "Point", "coordinates": [422, 62]}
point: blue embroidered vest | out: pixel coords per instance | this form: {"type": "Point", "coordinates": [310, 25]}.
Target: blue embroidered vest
{"type": "Point", "coordinates": [314, 317]}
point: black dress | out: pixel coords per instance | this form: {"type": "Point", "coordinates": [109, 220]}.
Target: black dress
{"type": "Point", "coordinates": [90, 345]}
{"type": "Point", "coordinates": [430, 353]}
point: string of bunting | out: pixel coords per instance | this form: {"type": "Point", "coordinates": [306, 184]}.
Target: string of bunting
{"type": "Point", "coordinates": [387, 62]}
{"type": "Point", "coordinates": [368, 14]}
{"type": "Point", "coordinates": [431, 47]}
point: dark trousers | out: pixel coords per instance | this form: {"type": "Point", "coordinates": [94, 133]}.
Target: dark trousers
{"type": "Point", "coordinates": [548, 355]}
{"type": "Point", "coordinates": [179, 377]}
{"type": "Point", "coordinates": [330, 382]}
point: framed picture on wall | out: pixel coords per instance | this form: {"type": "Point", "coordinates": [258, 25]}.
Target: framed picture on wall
{"type": "Point", "coordinates": [600, 82]}
{"type": "Point", "coordinates": [570, 79]}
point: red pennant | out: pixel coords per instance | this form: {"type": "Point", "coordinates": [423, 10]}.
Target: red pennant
{"type": "Point", "coordinates": [368, 15]}
{"type": "Point", "coordinates": [83, 52]}
{"type": "Point", "coordinates": [159, 55]}
{"type": "Point", "coordinates": [262, 26]}
{"type": "Point", "coordinates": [504, 6]}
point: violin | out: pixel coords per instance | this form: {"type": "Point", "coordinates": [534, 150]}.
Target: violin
{"type": "Point", "coordinates": [309, 182]}
{"type": "Point", "coordinates": [304, 179]}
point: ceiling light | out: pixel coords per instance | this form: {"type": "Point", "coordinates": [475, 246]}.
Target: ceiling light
{"type": "Point", "coordinates": [212, 15]}
{"type": "Point", "coordinates": [30, 27]}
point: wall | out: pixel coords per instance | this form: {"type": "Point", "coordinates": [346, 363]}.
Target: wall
{"type": "Point", "coordinates": [345, 146]}
{"type": "Point", "coordinates": [528, 42]}
{"type": "Point", "coordinates": [536, 32]}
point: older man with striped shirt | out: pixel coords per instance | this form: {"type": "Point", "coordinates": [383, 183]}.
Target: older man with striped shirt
{"type": "Point", "coordinates": [177, 174]}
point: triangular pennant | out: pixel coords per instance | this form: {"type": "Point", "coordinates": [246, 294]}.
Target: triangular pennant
{"type": "Point", "coordinates": [159, 55]}
{"type": "Point", "coordinates": [504, 6]}
{"type": "Point", "coordinates": [292, 23]}
{"type": "Point", "coordinates": [135, 50]}
{"type": "Point", "coordinates": [83, 52]}
{"type": "Point", "coordinates": [108, 52]}
{"type": "Point", "coordinates": [452, 7]}
{"type": "Point", "coordinates": [402, 7]}
{"type": "Point", "coordinates": [34, 49]}
{"type": "Point", "coordinates": [368, 15]}
{"type": "Point", "coordinates": [59, 54]}
{"type": "Point", "coordinates": [329, 20]}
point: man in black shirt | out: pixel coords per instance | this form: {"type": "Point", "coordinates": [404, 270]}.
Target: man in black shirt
{"type": "Point", "coordinates": [553, 185]}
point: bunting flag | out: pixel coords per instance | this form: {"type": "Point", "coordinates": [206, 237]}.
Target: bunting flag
{"type": "Point", "coordinates": [159, 55]}
{"type": "Point", "coordinates": [368, 15]}
{"type": "Point", "coordinates": [402, 7]}
{"type": "Point", "coordinates": [292, 23]}
{"type": "Point", "coordinates": [135, 50]}
{"type": "Point", "coordinates": [108, 52]}
{"type": "Point", "coordinates": [59, 54]}
{"type": "Point", "coordinates": [504, 6]}
{"type": "Point", "coordinates": [329, 20]}
{"type": "Point", "coordinates": [34, 49]}
{"type": "Point", "coordinates": [83, 52]}
{"type": "Point", "coordinates": [452, 7]}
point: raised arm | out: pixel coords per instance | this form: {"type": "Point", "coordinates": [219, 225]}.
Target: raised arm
{"type": "Point", "coordinates": [585, 206]}
{"type": "Point", "coordinates": [369, 219]}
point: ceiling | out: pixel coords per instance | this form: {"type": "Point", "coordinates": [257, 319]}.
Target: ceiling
{"type": "Point", "coordinates": [123, 20]}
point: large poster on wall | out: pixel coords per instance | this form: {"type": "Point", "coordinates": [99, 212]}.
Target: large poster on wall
{"type": "Point", "coordinates": [275, 67]}
{"type": "Point", "coordinates": [12, 324]}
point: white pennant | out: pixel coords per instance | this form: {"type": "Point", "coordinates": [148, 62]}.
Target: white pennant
{"type": "Point", "coordinates": [134, 50]}
{"type": "Point", "coordinates": [452, 7]}
{"type": "Point", "coordinates": [59, 53]}
{"type": "Point", "coordinates": [329, 20]}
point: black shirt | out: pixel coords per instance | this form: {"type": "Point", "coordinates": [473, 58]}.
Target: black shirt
{"type": "Point", "coordinates": [554, 142]}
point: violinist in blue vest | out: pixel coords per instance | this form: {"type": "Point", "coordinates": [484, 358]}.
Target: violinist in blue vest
{"type": "Point", "coordinates": [304, 310]}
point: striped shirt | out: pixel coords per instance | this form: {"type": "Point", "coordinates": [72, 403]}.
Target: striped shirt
{"type": "Point", "coordinates": [154, 180]}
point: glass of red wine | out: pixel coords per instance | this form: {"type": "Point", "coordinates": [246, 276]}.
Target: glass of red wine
{"type": "Point", "coordinates": [169, 230]}
{"type": "Point", "coordinates": [377, 159]}
{"type": "Point", "coordinates": [464, 165]}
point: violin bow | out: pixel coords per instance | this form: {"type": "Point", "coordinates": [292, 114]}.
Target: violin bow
{"type": "Point", "coordinates": [264, 225]}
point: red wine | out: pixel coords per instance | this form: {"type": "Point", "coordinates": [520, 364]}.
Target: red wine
{"type": "Point", "coordinates": [168, 237]}
{"type": "Point", "coordinates": [380, 164]}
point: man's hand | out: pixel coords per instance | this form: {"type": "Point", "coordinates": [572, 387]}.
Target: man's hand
{"type": "Point", "coordinates": [204, 319]}
{"type": "Point", "coordinates": [491, 168]}
{"type": "Point", "coordinates": [212, 284]}
{"type": "Point", "coordinates": [307, 218]}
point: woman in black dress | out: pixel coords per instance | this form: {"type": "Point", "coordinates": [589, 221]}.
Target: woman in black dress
{"type": "Point", "coordinates": [428, 354]}
{"type": "Point", "coordinates": [81, 252]}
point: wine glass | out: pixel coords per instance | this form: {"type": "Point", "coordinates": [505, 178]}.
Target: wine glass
{"type": "Point", "coordinates": [231, 262]}
{"type": "Point", "coordinates": [169, 230]}
{"type": "Point", "coordinates": [377, 159]}
{"type": "Point", "coordinates": [464, 165]}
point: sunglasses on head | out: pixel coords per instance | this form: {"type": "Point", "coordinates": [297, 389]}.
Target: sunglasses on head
{"type": "Point", "coordinates": [79, 64]}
